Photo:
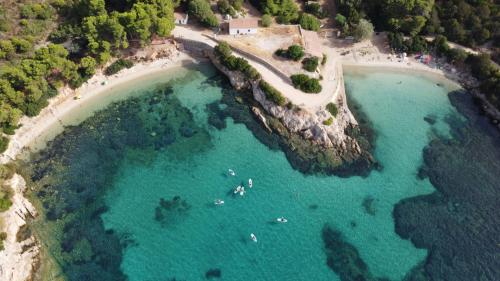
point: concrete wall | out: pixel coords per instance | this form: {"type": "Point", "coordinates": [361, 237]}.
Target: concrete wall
{"type": "Point", "coordinates": [242, 31]}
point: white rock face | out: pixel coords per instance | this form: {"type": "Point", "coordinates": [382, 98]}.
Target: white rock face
{"type": "Point", "coordinates": [17, 264]}
{"type": "Point", "coordinates": [308, 124]}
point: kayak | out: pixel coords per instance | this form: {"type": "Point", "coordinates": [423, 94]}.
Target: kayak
{"type": "Point", "coordinates": [253, 237]}
{"type": "Point", "coordinates": [282, 220]}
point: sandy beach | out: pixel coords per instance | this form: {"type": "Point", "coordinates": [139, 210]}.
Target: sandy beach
{"type": "Point", "coordinates": [376, 54]}
{"type": "Point", "coordinates": [20, 258]}
{"type": "Point", "coordinates": [443, 77]}
{"type": "Point", "coordinates": [71, 107]}
{"type": "Point", "coordinates": [66, 109]}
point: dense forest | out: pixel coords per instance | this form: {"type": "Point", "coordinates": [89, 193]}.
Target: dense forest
{"type": "Point", "coordinates": [47, 44]}
{"type": "Point", "coordinates": [468, 22]}
{"type": "Point", "coordinates": [411, 23]}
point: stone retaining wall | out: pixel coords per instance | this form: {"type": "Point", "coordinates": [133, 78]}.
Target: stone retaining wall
{"type": "Point", "coordinates": [259, 60]}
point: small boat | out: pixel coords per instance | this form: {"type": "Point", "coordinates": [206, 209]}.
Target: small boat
{"type": "Point", "coordinates": [238, 189]}
{"type": "Point", "coordinates": [282, 220]}
{"type": "Point", "coordinates": [250, 183]}
{"type": "Point", "coordinates": [253, 237]}
{"type": "Point", "coordinates": [231, 172]}
{"type": "Point", "coordinates": [242, 191]}
{"type": "Point", "coordinates": [219, 202]}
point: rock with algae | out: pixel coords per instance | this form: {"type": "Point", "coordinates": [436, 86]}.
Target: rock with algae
{"type": "Point", "coordinates": [459, 223]}
{"type": "Point", "coordinates": [344, 259]}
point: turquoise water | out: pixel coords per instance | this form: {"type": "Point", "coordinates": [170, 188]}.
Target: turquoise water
{"type": "Point", "coordinates": [187, 244]}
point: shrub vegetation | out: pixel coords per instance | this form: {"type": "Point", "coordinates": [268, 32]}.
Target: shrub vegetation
{"type": "Point", "coordinates": [266, 20]}
{"type": "Point", "coordinates": [272, 94]}
{"type": "Point", "coordinates": [310, 64]}
{"type": "Point", "coordinates": [323, 60]}
{"type": "Point", "coordinates": [328, 121]}
{"type": "Point", "coordinates": [225, 8]}
{"type": "Point", "coordinates": [4, 143]}
{"type": "Point", "coordinates": [363, 30]}
{"type": "Point", "coordinates": [117, 66]}
{"type": "Point", "coordinates": [316, 10]}
{"type": "Point", "coordinates": [285, 11]}
{"type": "Point", "coordinates": [3, 236]}
{"type": "Point", "coordinates": [305, 83]}
{"type": "Point", "coordinates": [294, 52]}
{"type": "Point", "coordinates": [309, 22]}
{"type": "Point", "coordinates": [224, 54]}
{"type": "Point", "coordinates": [332, 108]}
{"type": "Point", "coordinates": [201, 10]}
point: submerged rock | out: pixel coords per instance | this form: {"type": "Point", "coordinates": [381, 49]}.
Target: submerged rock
{"type": "Point", "coordinates": [168, 211]}
{"type": "Point", "coordinates": [70, 177]}
{"type": "Point", "coordinates": [186, 131]}
{"type": "Point", "coordinates": [431, 119]}
{"type": "Point", "coordinates": [310, 145]}
{"type": "Point", "coordinates": [344, 259]}
{"type": "Point", "coordinates": [216, 116]}
{"type": "Point", "coordinates": [213, 273]}
{"type": "Point", "coordinates": [369, 205]}
{"type": "Point", "coordinates": [459, 222]}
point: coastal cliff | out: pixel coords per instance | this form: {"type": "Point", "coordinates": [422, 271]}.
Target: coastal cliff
{"type": "Point", "coordinates": [19, 259]}
{"type": "Point", "coordinates": [310, 142]}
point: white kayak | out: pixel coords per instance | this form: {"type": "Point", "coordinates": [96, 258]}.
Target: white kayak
{"type": "Point", "coordinates": [253, 237]}
{"type": "Point", "coordinates": [238, 189]}
{"type": "Point", "coordinates": [219, 202]}
{"type": "Point", "coordinates": [250, 183]}
{"type": "Point", "coordinates": [282, 220]}
{"type": "Point", "coordinates": [231, 172]}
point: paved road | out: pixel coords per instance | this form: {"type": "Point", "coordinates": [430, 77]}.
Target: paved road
{"type": "Point", "coordinates": [332, 74]}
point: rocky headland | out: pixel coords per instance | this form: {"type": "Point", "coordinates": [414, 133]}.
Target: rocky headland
{"type": "Point", "coordinates": [310, 143]}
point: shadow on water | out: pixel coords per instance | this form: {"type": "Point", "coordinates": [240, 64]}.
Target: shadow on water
{"type": "Point", "coordinates": [70, 177]}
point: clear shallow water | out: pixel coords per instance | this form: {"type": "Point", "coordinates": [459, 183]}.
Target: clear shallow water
{"type": "Point", "coordinates": [188, 244]}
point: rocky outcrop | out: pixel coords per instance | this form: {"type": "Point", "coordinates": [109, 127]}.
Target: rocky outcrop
{"type": "Point", "coordinates": [261, 118]}
{"type": "Point", "coordinates": [19, 259]}
{"type": "Point", "coordinates": [334, 139]}
{"type": "Point", "coordinates": [310, 124]}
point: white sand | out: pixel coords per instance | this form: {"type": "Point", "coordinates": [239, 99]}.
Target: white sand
{"type": "Point", "coordinates": [36, 131]}
{"type": "Point", "coordinates": [64, 109]}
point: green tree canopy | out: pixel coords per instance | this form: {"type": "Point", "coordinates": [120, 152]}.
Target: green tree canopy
{"type": "Point", "coordinates": [309, 22]}
{"type": "Point", "coordinates": [363, 30]}
{"type": "Point", "coordinates": [201, 10]}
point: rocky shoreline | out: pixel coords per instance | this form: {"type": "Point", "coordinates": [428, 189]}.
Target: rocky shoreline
{"type": "Point", "coordinates": [341, 149]}
{"type": "Point", "coordinates": [20, 258]}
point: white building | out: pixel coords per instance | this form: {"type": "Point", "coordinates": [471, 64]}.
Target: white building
{"type": "Point", "coordinates": [181, 18]}
{"type": "Point", "coordinates": [243, 26]}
